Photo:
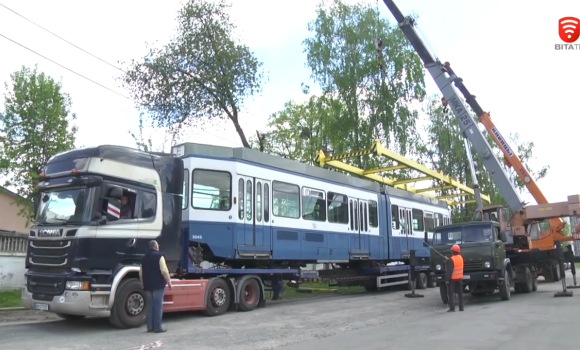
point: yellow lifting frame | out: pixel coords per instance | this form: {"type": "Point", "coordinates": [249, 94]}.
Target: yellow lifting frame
{"type": "Point", "coordinates": [377, 149]}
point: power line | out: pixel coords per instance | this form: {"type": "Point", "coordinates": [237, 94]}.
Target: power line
{"type": "Point", "coordinates": [60, 65]}
{"type": "Point", "coordinates": [66, 41]}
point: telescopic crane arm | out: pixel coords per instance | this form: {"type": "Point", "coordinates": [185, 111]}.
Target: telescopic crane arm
{"type": "Point", "coordinates": [443, 78]}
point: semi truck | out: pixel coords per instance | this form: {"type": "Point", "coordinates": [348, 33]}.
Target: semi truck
{"type": "Point", "coordinates": [230, 221]}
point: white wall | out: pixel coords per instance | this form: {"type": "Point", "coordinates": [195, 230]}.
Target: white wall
{"type": "Point", "coordinates": [11, 271]}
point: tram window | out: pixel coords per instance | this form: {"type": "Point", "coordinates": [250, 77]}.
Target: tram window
{"type": "Point", "coordinates": [313, 204]}
{"type": "Point", "coordinates": [266, 202]}
{"type": "Point", "coordinates": [429, 223]}
{"type": "Point", "coordinates": [337, 208]}
{"type": "Point", "coordinates": [438, 220]}
{"type": "Point", "coordinates": [418, 224]}
{"type": "Point", "coordinates": [285, 200]}
{"type": "Point", "coordinates": [373, 214]}
{"type": "Point", "coordinates": [241, 199]}
{"type": "Point", "coordinates": [211, 190]}
{"type": "Point", "coordinates": [258, 201]}
{"type": "Point", "coordinates": [395, 217]}
{"type": "Point", "coordinates": [185, 194]}
{"type": "Point", "coordinates": [248, 200]}
{"type": "Point", "coordinates": [364, 226]}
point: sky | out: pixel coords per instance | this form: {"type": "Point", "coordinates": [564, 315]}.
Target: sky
{"type": "Point", "coordinates": [503, 50]}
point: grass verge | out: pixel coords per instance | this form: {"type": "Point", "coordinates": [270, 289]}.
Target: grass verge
{"type": "Point", "coordinates": [10, 298]}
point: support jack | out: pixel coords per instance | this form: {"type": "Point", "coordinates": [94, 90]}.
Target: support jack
{"type": "Point", "coordinates": [572, 267]}
{"type": "Point", "coordinates": [565, 292]}
{"type": "Point", "coordinates": [412, 278]}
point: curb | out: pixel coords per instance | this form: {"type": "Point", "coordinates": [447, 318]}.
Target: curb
{"type": "Point", "coordinates": [17, 308]}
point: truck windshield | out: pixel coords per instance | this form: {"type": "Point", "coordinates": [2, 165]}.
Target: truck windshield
{"type": "Point", "coordinates": [463, 234]}
{"type": "Point", "coordinates": [63, 206]}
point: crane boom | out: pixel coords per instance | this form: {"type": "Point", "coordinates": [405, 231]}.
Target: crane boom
{"type": "Point", "coordinates": [467, 124]}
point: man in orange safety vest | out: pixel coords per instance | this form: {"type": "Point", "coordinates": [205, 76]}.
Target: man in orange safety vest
{"type": "Point", "coordinates": [454, 278]}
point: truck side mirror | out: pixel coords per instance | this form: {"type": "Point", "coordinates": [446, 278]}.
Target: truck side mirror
{"type": "Point", "coordinates": [426, 239]}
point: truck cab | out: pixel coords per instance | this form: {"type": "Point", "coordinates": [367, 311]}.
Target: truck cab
{"type": "Point", "coordinates": [483, 248]}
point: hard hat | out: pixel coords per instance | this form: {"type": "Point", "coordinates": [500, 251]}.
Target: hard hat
{"type": "Point", "coordinates": [455, 248]}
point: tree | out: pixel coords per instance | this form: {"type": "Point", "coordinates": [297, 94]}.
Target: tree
{"type": "Point", "coordinates": [367, 64]}
{"type": "Point", "coordinates": [201, 74]}
{"type": "Point", "coordinates": [145, 143]}
{"type": "Point", "coordinates": [299, 130]}
{"type": "Point", "coordinates": [36, 124]}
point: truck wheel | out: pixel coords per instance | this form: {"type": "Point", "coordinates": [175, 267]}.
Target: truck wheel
{"type": "Point", "coordinates": [71, 317]}
{"type": "Point", "coordinates": [431, 282]}
{"type": "Point", "coordinates": [443, 293]}
{"type": "Point", "coordinates": [518, 288]}
{"type": "Point", "coordinates": [249, 295]}
{"type": "Point", "coordinates": [505, 291]}
{"type": "Point", "coordinates": [528, 284]}
{"type": "Point", "coordinates": [218, 298]}
{"type": "Point", "coordinates": [534, 284]}
{"type": "Point", "coordinates": [130, 307]}
{"type": "Point", "coordinates": [421, 280]}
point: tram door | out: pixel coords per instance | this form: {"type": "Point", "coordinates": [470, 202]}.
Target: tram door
{"type": "Point", "coordinates": [254, 213]}
{"type": "Point", "coordinates": [359, 225]}
{"type": "Point", "coordinates": [406, 220]}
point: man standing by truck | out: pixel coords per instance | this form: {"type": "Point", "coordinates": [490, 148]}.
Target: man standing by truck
{"type": "Point", "coordinates": [154, 277]}
{"type": "Point", "coordinates": [454, 278]}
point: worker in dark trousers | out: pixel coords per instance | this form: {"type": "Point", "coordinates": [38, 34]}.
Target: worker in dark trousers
{"type": "Point", "coordinates": [154, 277]}
{"type": "Point", "coordinates": [454, 278]}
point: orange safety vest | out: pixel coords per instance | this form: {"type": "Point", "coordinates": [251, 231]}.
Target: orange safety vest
{"type": "Point", "coordinates": [457, 267]}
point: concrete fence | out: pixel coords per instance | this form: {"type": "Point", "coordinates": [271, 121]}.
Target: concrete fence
{"type": "Point", "coordinates": [12, 255]}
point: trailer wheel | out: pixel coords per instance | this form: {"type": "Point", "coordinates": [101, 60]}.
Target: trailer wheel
{"type": "Point", "coordinates": [528, 285]}
{"type": "Point", "coordinates": [505, 291]}
{"type": "Point", "coordinates": [130, 307]}
{"type": "Point", "coordinates": [421, 280]}
{"type": "Point", "coordinates": [249, 295]}
{"type": "Point", "coordinates": [443, 293]}
{"type": "Point", "coordinates": [218, 298]}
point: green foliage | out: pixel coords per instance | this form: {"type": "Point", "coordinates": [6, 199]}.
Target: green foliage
{"type": "Point", "coordinates": [376, 86]}
{"type": "Point", "coordinates": [201, 74]}
{"type": "Point", "coordinates": [36, 124]}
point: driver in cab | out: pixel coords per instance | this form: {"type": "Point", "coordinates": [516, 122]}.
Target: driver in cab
{"type": "Point", "coordinates": [126, 211]}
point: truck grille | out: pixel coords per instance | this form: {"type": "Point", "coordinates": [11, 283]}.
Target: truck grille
{"type": "Point", "coordinates": [52, 253]}
{"type": "Point", "coordinates": [45, 285]}
{"type": "Point", "coordinates": [472, 265]}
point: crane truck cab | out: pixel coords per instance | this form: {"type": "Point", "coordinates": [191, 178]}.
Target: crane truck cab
{"type": "Point", "coordinates": [487, 265]}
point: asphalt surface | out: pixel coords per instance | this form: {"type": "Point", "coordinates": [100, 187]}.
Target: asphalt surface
{"type": "Point", "coordinates": [367, 320]}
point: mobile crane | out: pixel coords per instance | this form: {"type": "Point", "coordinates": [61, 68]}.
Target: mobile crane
{"type": "Point", "coordinates": [521, 226]}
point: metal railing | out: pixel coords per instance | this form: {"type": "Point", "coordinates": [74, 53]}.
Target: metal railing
{"type": "Point", "coordinates": [13, 243]}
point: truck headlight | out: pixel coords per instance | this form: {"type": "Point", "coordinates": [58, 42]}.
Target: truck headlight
{"type": "Point", "coordinates": [438, 267]}
{"type": "Point", "coordinates": [77, 285]}
{"type": "Point", "coordinates": [487, 264]}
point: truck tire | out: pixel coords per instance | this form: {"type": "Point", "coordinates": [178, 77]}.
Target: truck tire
{"type": "Point", "coordinates": [218, 297]}
{"type": "Point", "coordinates": [431, 282]}
{"type": "Point", "coordinates": [69, 317]}
{"type": "Point", "coordinates": [443, 293]}
{"type": "Point", "coordinates": [421, 280]}
{"type": "Point", "coordinates": [528, 285]}
{"type": "Point", "coordinates": [534, 284]}
{"type": "Point", "coordinates": [505, 291]}
{"type": "Point", "coordinates": [249, 295]}
{"type": "Point", "coordinates": [130, 307]}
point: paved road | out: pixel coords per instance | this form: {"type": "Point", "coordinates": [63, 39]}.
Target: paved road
{"type": "Point", "coordinates": [369, 320]}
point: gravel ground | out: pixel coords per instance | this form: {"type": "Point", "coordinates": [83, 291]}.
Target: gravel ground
{"type": "Point", "coordinates": [319, 322]}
